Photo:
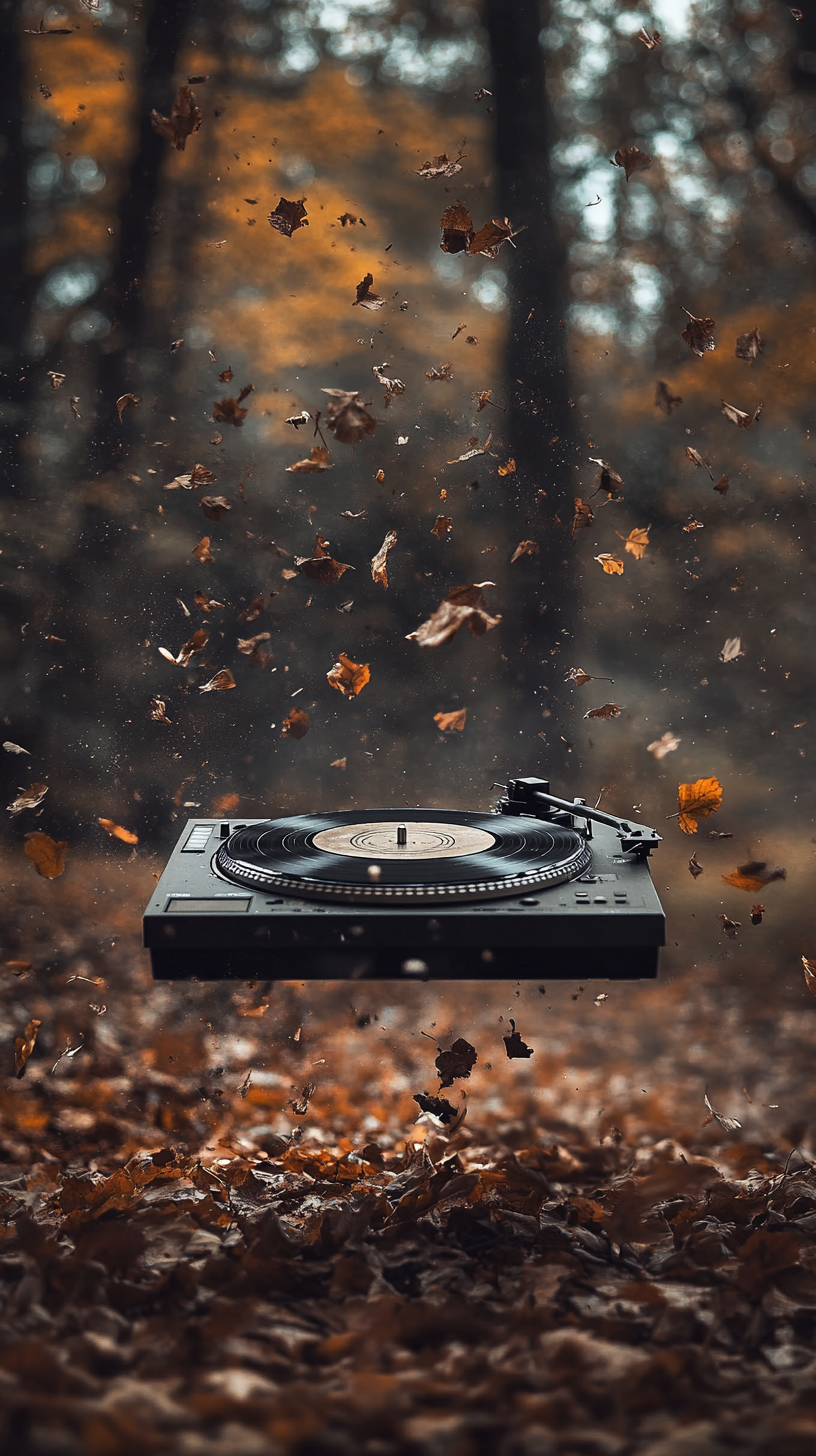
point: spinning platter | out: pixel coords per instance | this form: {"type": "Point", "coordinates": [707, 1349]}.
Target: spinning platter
{"type": "Point", "coordinates": [540, 888]}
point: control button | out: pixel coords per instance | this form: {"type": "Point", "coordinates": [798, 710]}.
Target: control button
{"type": "Point", "coordinates": [600, 899]}
{"type": "Point", "coordinates": [528, 900]}
{"type": "Point", "coordinates": [223, 832]}
{"type": "Point", "coordinates": [582, 899]}
{"type": "Point", "coordinates": [620, 894]}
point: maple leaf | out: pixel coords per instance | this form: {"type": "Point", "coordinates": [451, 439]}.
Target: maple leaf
{"type": "Point", "coordinates": [463, 604]}
{"type": "Point", "coordinates": [451, 722]}
{"type": "Point", "coordinates": [295, 724]}
{"type": "Point", "coordinates": [366, 298]}
{"type": "Point", "coordinates": [513, 1044]}
{"type": "Point", "coordinates": [697, 801]}
{"type": "Point", "coordinates": [348, 419]}
{"type": "Point", "coordinates": [348, 677]}
{"type": "Point", "coordinates": [698, 333]}
{"type": "Point", "coordinates": [457, 1062]}
{"type": "Point", "coordinates": [754, 875]}
{"type": "Point", "coordinates": [661, 746]}
{"type": "Point", "coordinates": [631, 159]}
{"type": "Point", "coordinates": [584, 516]}
{"type": "Point", "coordinates": [525, 548]}
{"type": "Point", "coordinates": [457, 229]}
{"type": "Point", "coordinates": [664, 399]}
{"type": "Point", "coordinates": [184, 120]}
{"type": "Point", "coordinates": [124, 400]}
{"type": "Point", "coordinates": [609, 710]}
{"type": "Point", "coordinates": [636, 542]}
{"type": "Point", "coordinates": [321, 567]}
{"type": "Point", "coordinates": [441, 166]}
{"type": "Point", "coordinates": [731, 650]}
{"type": "Point", "coordinates": [314, 465]}
{"type": "Point", "coordinates": [220, 682]}
{"type": "Point", "coordinates": [750, 346]}
{"type": "Point", "coordinates": [116, 831]}
{"type": "Point", "coordinates": [24, 1046]}
{"type": "Point", "coordinates": [379, 563]}
{"type": "Point", "coordinates": [46, 854]}
{"type": "Point", "coordinates": [441, 526]}
{"type": "Point", "coordinates": [288, 217]}
{"type": "Point", "coordinates": [612, 565]}
{"type": "Point", "coordinates": [739, 417]}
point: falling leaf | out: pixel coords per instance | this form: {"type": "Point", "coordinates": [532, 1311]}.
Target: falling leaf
{"type": "Point", "coordinates": [348, 677]}
{"type": "Point", "coordinates": [609, 710]}
{"type": "Point", "coordinates": [348, 419]}
{"type": "Point", "coordinates": [750, 346]}
{"type": "Point", "coordinates": [205, 603]}
{"type": "Point", "coordinates": [488, 240]}
{"type": "Point", "coordinates": [661, 746]}
{"type": "Point", "coordinates": [214, 506]}
{"type": "Point", "coordinates": [695, 869]}
{"type": "Point", "coordinates": [612, 565]}
{"type": "Point", "coordinates": [197, 643]}
{"type": "Point", "coordinates": [297, 420]}
{"type": "Point", "coordinates": [584, 516]}
{"type": "Point", "coordinates": [525, 548]}
{"type": "Point", "coordinates": [392, 387]}
{"type": "Point", "coordinates": [463, 604]}
{"type": "Point", "coordinates": [158, 711]}
{"type": "Point", "coordinates": [697, 801]}
{"type": "Point", "coordinates": [809, 968]}
{"type": "Point", "coordinates": [295, 724]}
{"type": "Point", "coordinates": [698, 333]}
{"type": "Point", "coordinates": [46, 854]}
{"type": "Point", "coordinates": [251, 647]}
{"type": "Point", "coordinates": [438, 1107]}
{"type": "Point", "coordinates": [509, 467]}
{"type": "Point", "coordinates": [664, 399]}
{"type": "Point", "coordinates": [607, 479]}
{"type": "Point", "coordinates": [300, 1105]}
{"type": "Point", "coordinates": [579, 677]}
{"type": "Point", "coordinates": [441, 166]}
{"type": "Point", "coordinates": [124, 400]}
{"type": "Point", "coordinates": [457, 1062]}
{"type": "Point", "coordinates": [24, 1046]}
{"type": "Point", "coordinates": [699, 460]}
{"type": "Point", "coordinates": [69, 1053]}
{"type": "Point", "coordinates": [15, 748]}
{"type": "Point", "coordinates": [347, 218]}
{"type": "Point", "coordinates": [321, 567]}
{"type": "Point", "coordinates": [636, 542]}
{"type": "Point", "coordinates": [728, 1124]}
{"type": "Point", "coordinates": [441, 526]}
{"type": "Point", "coordinates": [221, 682]}
{"type": "Point", "coordinates": [379, 563]}
{"type": "Point", "coordinates": [757, 912]}
{"type": "Point", "coordinates": [753, 876]}
{"type": "Point", "coordinates": [731, 650]}
{"type": "Point", "coordinates": [722, 485]}
{"type": "Point", "coordinates": [338, 763]}
{"type": "Point", "coordinates": [57, 379]}
{"type": "Point", "coordinates": [476, 449]}
{"type": "Point", "coordinates": [513, 1044]}
{"type": "Point", "coordinates": [445, 371]}
{"type": "Point", "coordinates": [316, 462]}
{"type": "Point", "coordinates": [366, 297]}
{"type": "Point", "coordinates": [288, 217]}
{"type": "Point", "coordinates": [117, 832]}
{"type": "Point", "coordinates": [29, 800]}
{"type": "Point", "coordinates": [451, 722]}
{"type": "Point", "coordinates": [457, 229]}
{"type": "Point", "coordinates": [631, 159]}
{"type": "Point", "coordinates": [739, 417]}
{"type": "Point", "coordinates": [229, 412]}
{"type": "Point", "coordinates": [650, 41]}
{"type": "Point", "coordinates": [693, 527]}
{"type": "Point", "coordinates": [184, 120]}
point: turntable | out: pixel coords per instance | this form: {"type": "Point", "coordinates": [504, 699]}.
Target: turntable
{"type": "Point", "coordinates": [541, 887]}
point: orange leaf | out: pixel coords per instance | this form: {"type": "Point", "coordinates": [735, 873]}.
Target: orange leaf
{"type": "Point", "coordinates": [451, 722]}
{"type": "Point", "coordinates": [697, 801]}
{"type": "Point", "coordinates": [46, 854]}
{"type": "Point", "coordinates": [348, 677]}
{"type": "Point", "coordinates": [753, 876]}
{"type": "Point", "coordinates": [24, 1046]}
{"type": "Point", "coordinates": [636, 542]}
{"type": "Point", "coordinates": [126, 836]}
{"type": "Point", "coordinates": [612, 565]}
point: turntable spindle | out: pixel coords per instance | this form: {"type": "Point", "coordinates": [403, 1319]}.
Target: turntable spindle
{"type": "Point", "coordinates": [402, 834]}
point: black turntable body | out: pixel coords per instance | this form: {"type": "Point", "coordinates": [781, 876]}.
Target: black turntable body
{"type": "Point", "coordinates": [540, 888]}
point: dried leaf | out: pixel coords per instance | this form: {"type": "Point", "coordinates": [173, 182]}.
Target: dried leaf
{"type": "Point", "coordinates": [698, 333]}
{"type": "Point", "coordinates": [476, 449]}
{"type": "Point", "coordinates": [438, 1107]}
{"type": "Point", "coordinates": [609, 710]}
{"type": "Point", "coordinates": [321, 567]}
{"type": "Point", "coordinates": [722, 485]}
{"type": "Point", "coordinates": [699, 461]}
{"type": "Point", "coordinates": [214, 506]}
{"type": "Point", "coordinates": [457, 229]}
{"type": "Point", "coordinates": [117, 832]}
{"type": "Point", "coordinates": [631, 159]}
{"type": "Point", "coordinates": [392, 387]}
{"type": "Point", "coordinates": [636, 542]}
{"type": "Point", "coordinates": [753, 876]}
{"type": "Point", "coordinates": [229, 412]}
{"type": "Point", "coordinates": [57, 379]}
{"type": "Point", "coordinates": [46, 854]}
{"type": "Point", "coordinates": [441, 526]}
{"type": "Point", "coordinates": [525, 548]}
{"type": "Point", "coordinates": [203, 553]}
{"type": "Point", "coordinates": [451, 722]}
{"type": "Point", "coordinates": [697, 801]}
{"type": "Point", "coordinates": [366, 297]}
{"type": "Point", "coordinates": [15, 748]}
{"type": "Point", "coordinates": [513, 1044]}
{"type": "Point", "coordinates": [24, 1046]}
{"type": "Point", "coordinates": [338, 763]}
{"type": "Point", "coordinates": [664, 399]}
{"type": "Point", "coordinates": [731, 650]}
{"type": "Point", "coordinates": [158, 711]}
{"type": "Point", "coordinates": [463, 604]}
{"type": "Point", "coordinates": [661, 746]}
{"type": "Point", "coordinates": [297, 420]}
{"type": "Point", "coordinates": [809, 968]}
{"type": "Point", "coordinates": [445, 371]}
{"type": "Point", "coordinates": [607, 479]}
{"type": "Point", "coordinates": [288, 217]}
{"type": "Point", "coordinates": [757, 912]}
{"type": "Point", "coordinates": [348, 677]}
{"type": "Point", "coordinates": [579, 677]}
{"type": "Point", "coordinates": [728, 1124]}
{"type": "Point", "coordinates": [750, 346]}
{"type": "Point", "coordinates": [695, 869]}
{"type": "Point", "coordinates": [184, 120]}
{"type": "Point", "coordinates": [612, 565]}
{"type": "Point", "coordinates": [205, 603]}
{"type": "Point", "coordinates": [379, 563]}
{"type": "Point", "coordinates": [650, 41]}
{"type": "Point", "coordinates": [295, 724]}
{"type": "Point", "coordinates": [457, 1062]}
{"type": "Point", "coordinates": [348, 419]}
{"type": "Point", "coordinates": [509, 467]}
{"type": "Point", "coordinates": [197, 643]}
{"type": "Point", "coordinates": [221, 682]}
{"type": "Point", "coordinates": [29, 800]}
{"type": "Point", "coordinates": [692, 527]}
{"type": "Point", "coordinates": [124, 400]}
{"type": "Point", "coordinates": [198, 476]}
{"type": "Point", "coordinates": [441, 166]}
{"type": "Point", "coordinates": [584, 516]}
{"type": "Point", "coordinates": [488, 240]}
{"type": "Point", "coordinates": [739, 417]}
{"type": "Point", "coordinates": [314, 465]}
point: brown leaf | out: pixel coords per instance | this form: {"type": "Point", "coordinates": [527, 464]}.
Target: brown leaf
{"type": "Point", "coordinates": [650, 41]}
{"type": "Point", "coordinates": [247, 645]}
{"type": "Point", "coordinates": [637, 541]}
{"type": "Point", "coordinates": [127, 399]}
{"type": "Point", "coordinates": [729, 927]}
{"type": "Point", "coordinates": [392, 387]}
{"type": "Point", "coordinates": [584, 516]}
{"type": "Point", "coordinates": [525, 548]}
{"type": "Point", "coordinates": [295, 724]}
{"type": "Point", "coordinates": [57, 379]}
{"type": "Point", "coordinates": [366, 297]}
{"type": "Point", "coordinates": [607, 479]}
{"type": "Point", "coordinates": [300, 1105]}
{"type": "Point", "coordinates": [205, 603]}
{"type": "Point", "coordinates": [612, 565]}
{"type": "Point", "coordinates": [509, 467]}
{"type": "Point", "coordinates": [728, 1124]}
{"type": "Point", "coordinates": [438, 1107]}
{"type": "Point", "coordinates": [229, 412]}
{"type": "Point", "coordinates": [316, 462]}
{"type": "Point", "coordinates": [513, 1044]}
{"type": "Point", "coordinates": [441, 166]}
{"type": "Point", "coordinates": [698, 801]}
{"type": "Point", "coordinates": [379, 563]}
{"type": "Point", "coordinates": [757, 912]}
{"type": "Point", "coordinates": [221, 682]}
{"type": "Point", "coordinates": [214, 506]}
{"type": "Point", "coordinates": [158, 711]}
{"type": "Point", "coordinates": [750, 346]}
{"type": "Point", "coordinates": [579, 677]}
{"type": "Point", "coordinates": [198, 476]}
{"type": "Point", "coordinates": [739, 417]}
{"type": "Point", "coordinates": [348, 419]}
{"type": "Point", "coordinates": [695, 869]}
{"type": "Point", "coordinates": [722, 485]}
{"type": "Point", "coordinates": [225, 376]}
{"type": "Point", "coordinates": [664, 399]}
{"type": "Point", "coordinates": [24, 1046]}
{"type": "Point", "coordinates": [457, 1062]}
{"type": "Point", "coordinates": [445, 371]}
{"type": "Point", "coordinates": [196, 643]}
{"type": "Point", "coordinates": [457, 229]}
{"type": "Point", "coordinates": [753, 876]}
{"type": "Point", "coordinates": [321, 567]}
{"type": "Point", "coordinates": [117, 832]}
{"type": "Point", "coordinates": [699, 461]}
{"type": "Point", "coordinates": [609, 710]}
{"type": "Point", "coordinates": [338, 763]}
{"type": "Point", "coordinates": [184, 120]}
{"type": "Point", "coordinates": [693, 527]}
{"type": "Point", "coordinates": [46, 854]}
{"type": "Point", "coordinates": [809, 968]}
{"type": "Point", "coordinates": [489, 238]}
{"type": "Point", "coordinates": [451, 722]}
{"type": "Point", "coordinates": [463, 604]}
{"type": "Point", "coordinates": [348, 677]}
{"type": "Point", "coordinates": [698, 333]}
{"type": "Point", "coordinates": [631, 159]}
{"type": "Point", "coordinates": [441, 526]}
{"type": "Point", "coordinates": [476, 449]}
{"type": "Point", "coordinates": [29, 800]}
{"type": "Point", "coordinates": [288, 217]}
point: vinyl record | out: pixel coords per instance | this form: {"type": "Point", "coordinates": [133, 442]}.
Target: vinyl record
{"type": "Point", "coordinates": [413, 856]}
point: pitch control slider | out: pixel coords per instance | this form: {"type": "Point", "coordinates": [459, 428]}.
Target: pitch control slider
{"type": "Point", "coordinates": [532, 796]}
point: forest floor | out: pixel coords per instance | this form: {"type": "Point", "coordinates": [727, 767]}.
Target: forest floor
{"type": "Point", "coordinates": [223, 1231]}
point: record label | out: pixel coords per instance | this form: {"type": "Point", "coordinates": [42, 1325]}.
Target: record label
{"type": "Point", "coordinates": [412, 840]}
